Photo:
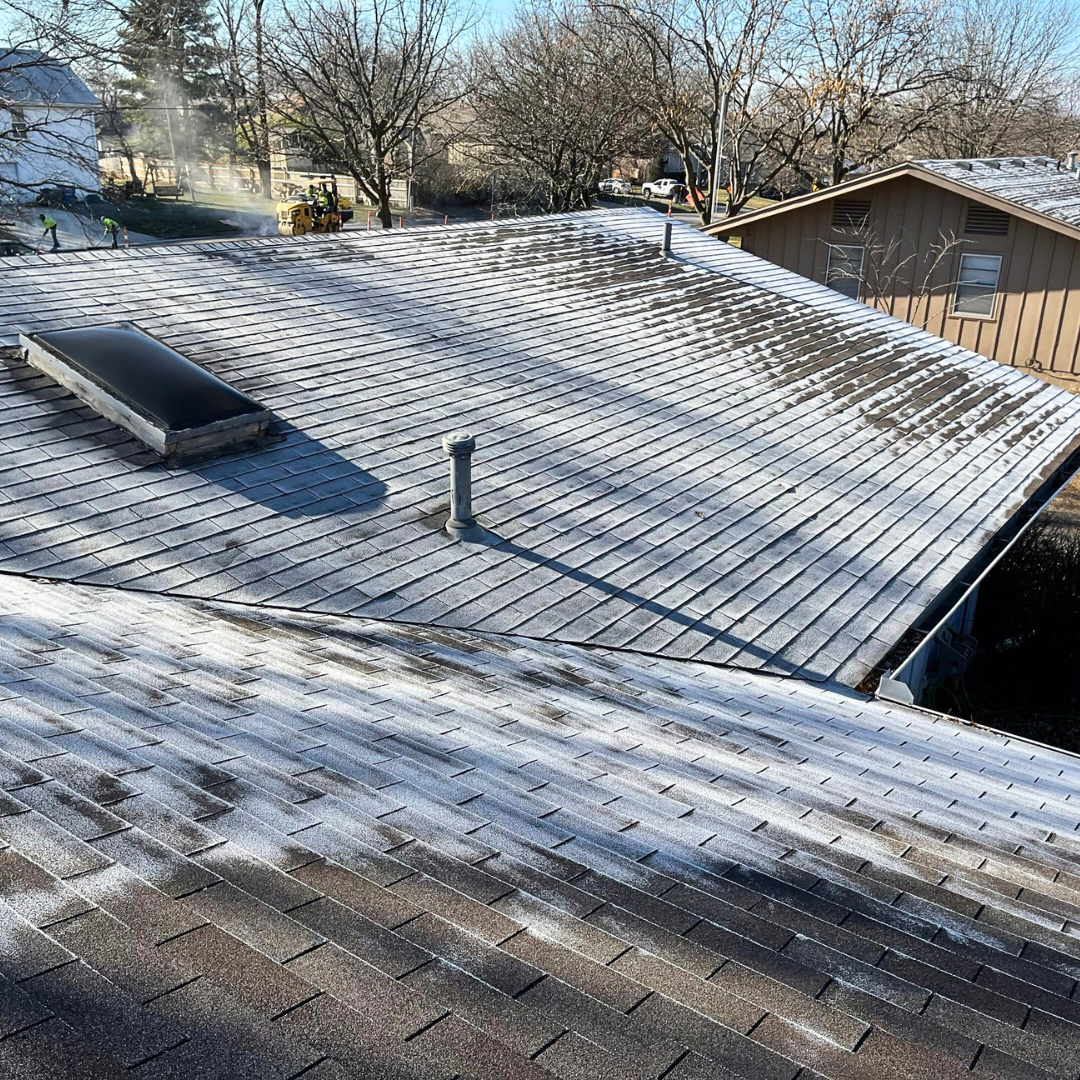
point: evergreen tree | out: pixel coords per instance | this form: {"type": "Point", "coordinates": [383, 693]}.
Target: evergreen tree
{"type": "Point", "coordinates": [168, 49]}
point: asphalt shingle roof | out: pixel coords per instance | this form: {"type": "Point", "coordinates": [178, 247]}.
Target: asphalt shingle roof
{"type": "Point", "coordinates": [701, 457]}
{"type": "Point", "coordinates": [237, 844]}
{"type": "Point", "coordinates": [1037, 183]}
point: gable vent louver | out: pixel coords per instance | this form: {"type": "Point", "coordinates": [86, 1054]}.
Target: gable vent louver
{"type": "Point", "coordinates": [986, 221]}
{"type": "Point", "coordinates": [850, 213]}
{"type": "Point", "coordinates": [166, 401]}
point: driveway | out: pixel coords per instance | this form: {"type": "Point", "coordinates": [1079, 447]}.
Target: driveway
{"type": "Point", "coordinates": [72, 230]}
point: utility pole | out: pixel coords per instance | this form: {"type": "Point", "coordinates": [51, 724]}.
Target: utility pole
{"type": "Point", "coordinates": [410, 197]}
{"type": "Point", "coordinates": [718, 160]}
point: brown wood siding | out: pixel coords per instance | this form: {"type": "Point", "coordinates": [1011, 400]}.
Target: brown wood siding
{"type": "Point", "coordinates": [1036, 319]}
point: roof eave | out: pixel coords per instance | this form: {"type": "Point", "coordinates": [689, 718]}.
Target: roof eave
{"type": "Point", "coordinates": [908, 168]}
{"type": "Point", "coordinates": [740, 221]}
{"type": "Point", "coordinates": [1053, 479]}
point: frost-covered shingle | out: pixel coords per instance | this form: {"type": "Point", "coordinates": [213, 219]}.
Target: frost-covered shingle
{"type": "Point", "coordinates": [704, 456]}
{"type": "Point", "coordinates": [429, 854]}
{"type": "Point", "coordinates": [1035, 183]}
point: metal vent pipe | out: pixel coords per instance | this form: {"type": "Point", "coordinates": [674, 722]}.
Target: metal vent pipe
{"type": "Point", "coordinates": [461, 524]}
{"type": "Point", "coordinates": [665, 249]}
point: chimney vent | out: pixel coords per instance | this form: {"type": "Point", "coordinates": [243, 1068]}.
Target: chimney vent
{"type": "Point", "coordinates": [461, 524]}
{"type": "Point", "coordinates": [665, 248]}
{"type": "Point", "coordinates": [1072, 161]}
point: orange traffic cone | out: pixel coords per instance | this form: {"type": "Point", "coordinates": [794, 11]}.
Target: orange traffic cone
{"type": "Point", "coordinates": [126, 243]}
{"type": "Point", "coordinates": [369, 221]}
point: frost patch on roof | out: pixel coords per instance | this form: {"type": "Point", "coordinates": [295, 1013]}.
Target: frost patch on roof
{"type": "Point", "coordinates": [704, 456]}
{"type": "Point", "coordinates": [237, 845]}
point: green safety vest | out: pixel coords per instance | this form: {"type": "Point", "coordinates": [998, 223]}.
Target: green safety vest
{"type": "Point", "coordinates": [109, 223]}
{"type": "Point", "coordinates": [48, 222]}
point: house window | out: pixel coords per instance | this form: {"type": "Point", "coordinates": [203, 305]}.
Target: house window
{"type": "Point", "coordinates": [850, 213]}
{"type": "Point", "coordinates": [976, 284]}
{"type": "Point", "coordinates": [18, 124]}
{"type": "Point", "coordinates": [986, 221]}
{"type": "Point", "coordinates": [844, 273]}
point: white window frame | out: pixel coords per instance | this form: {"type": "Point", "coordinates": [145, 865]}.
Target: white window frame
{"type": "Point", "coordinates": [857, 279]}
{"type": "Point", "coordinates": [962, 284]}
{"type": "Point", "coordinates": [20, 127]}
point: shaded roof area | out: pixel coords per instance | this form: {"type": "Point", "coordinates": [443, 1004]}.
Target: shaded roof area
{"type": "Point", "coordinates": [701, 457]}
{"type": "Point", "coordinates": [28, 77]}
{"type": "Point", "coordinates": [253, 847]}
{"type": "Point", "coordinates": [1036, 183]}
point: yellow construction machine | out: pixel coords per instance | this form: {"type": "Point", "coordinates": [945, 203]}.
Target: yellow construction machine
{"type": "Point", "coordinates": [319, 210]}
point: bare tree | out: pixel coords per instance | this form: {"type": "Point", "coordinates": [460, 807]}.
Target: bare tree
{"type": "Point", "coordinates": [702, 53]}
{"type": "Point", "coordinates": [47, 116]}
{"type": "Point", "coordinates": [242, 32]}
{"type": "Point", "coordinates": [557, 104]}
{"type": "Point", "coordinates": [357, 79]}
{"type": "Point", "coordinates": [1008, 91]}
{"type": "Point", "coordinates": [872, 74]}
{"type": "Point", "coordinates": [897, 267]}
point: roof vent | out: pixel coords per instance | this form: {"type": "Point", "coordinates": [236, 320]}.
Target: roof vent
{"type": "Point", "coordinates": [850, 213]}
{"type": "Point", "coordinates": [167, 402]}
{"type": "Point", "coordinates": [986, 221]}
{"type": "Point", "coordinates": [963, 165]}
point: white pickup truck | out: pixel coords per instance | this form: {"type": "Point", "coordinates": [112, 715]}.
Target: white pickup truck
{"type": "Point", "coordinates": [663, 189]}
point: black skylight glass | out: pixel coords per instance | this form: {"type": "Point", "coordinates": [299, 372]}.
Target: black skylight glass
{"type": "Point", "coordinates": [155, 381]}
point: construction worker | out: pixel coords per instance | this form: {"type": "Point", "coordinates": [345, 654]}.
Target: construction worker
{"type": "Point", "coordinates": [49, 223]}
{"type": "Point", "coordinates": [112, 228]}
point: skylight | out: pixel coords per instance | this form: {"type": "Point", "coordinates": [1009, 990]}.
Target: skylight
{"type": "Point", "coordinates": [149, 389]}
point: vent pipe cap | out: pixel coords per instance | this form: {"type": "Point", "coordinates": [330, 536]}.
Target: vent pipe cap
{"type": "Point", "coordinates": [459, 442]}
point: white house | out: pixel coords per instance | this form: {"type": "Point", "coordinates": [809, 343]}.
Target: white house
{"type": "Point", "coordinates": [47, 126]}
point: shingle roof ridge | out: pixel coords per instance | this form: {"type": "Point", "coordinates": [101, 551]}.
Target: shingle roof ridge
{"type": "Point", "coordinates": [1041, 159]}
{"type": "Point", "coordinates": [736, 265]}
{"type": "Point", "coordinates": [304, 621]}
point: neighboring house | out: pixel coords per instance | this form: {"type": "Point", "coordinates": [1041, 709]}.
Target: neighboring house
{"type": "Point", "coordinates": [47, 126]}
{"type": "Point", "coordinates": [293, 784]}
{"type": "Point", "coordinates": [985, 253]}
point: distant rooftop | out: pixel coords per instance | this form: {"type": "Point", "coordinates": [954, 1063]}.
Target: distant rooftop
{"type": "Point", "coordinates": [700, 457]}
{"type": "Point", "coordinates": [32, 78]}
{"type": "Point", "coordinates": [1037, 183]}
{"type": "Point", "coordinates": [1040, 188]}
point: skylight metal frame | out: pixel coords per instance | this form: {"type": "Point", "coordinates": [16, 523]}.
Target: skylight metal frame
{"type": "Point", "coordinates": [166, 441]}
